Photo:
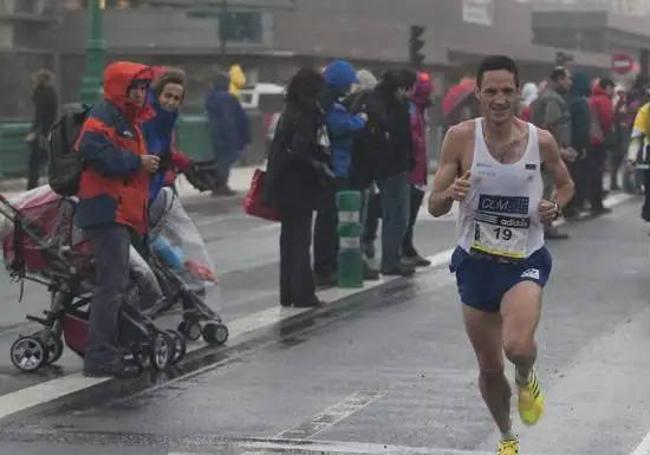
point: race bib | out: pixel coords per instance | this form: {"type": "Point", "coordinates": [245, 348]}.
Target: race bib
{"type": "Point", "coordinates": [501, 226]}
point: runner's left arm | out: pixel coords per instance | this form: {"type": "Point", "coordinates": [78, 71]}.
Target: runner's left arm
{"type": "Point", "coordinates": [554, 165]}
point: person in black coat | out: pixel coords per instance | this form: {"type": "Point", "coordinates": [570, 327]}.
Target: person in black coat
{"type": "Point", "coordinates": [45, 110]}
{"type": "Point", "coordinates": [578, 101]}
{"type": "Point", "coordinates": [388, 140]}
{"type": "Point", "coordinates": [298, 179]}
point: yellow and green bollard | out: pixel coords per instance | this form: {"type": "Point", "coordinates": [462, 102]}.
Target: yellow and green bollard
{"type": "Point", "coordinates": [350, 261]}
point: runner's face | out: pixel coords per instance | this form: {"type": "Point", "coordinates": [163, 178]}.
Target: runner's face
{"type": "Point", "coordinates": [498, 95]}
{"type": "Point", "coordinates": [171, 97]}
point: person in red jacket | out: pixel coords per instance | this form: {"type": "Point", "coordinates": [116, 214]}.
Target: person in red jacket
{"type": "Point", "coordinates": [419, 103]}
{"type": "Point", "coordinates": [601, 132]}
{"type": "Point", "coordinates": [112, 210]}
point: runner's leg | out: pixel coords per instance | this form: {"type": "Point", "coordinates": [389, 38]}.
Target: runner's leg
{"type": "Point", "coordinates": [484, 331]}
{"type": "Point", "coordinates": [520, 312]}
{"type": "Point", "coordinates": [520, 309]}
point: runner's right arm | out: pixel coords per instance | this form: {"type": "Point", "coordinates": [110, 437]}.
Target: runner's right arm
{"type": "Point", "coordinates": [446, 185]}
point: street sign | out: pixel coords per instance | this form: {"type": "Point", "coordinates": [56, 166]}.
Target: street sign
{"type": "Point", "coordinates": [479, 12]}
{"type": "Point", "coordinates": [622, 63]}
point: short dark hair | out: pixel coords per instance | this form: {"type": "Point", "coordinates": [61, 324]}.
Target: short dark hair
{"type": "Point", "coordinates": [408, 76]}
{"type": "Point", "coordinates": [605, 82]}
{"type": "Point", "coordinates": [559, 72]}
{"type": "Point", "coordinates": [307, 83]}
{"type": "Point", "coordinates": [495, 63]}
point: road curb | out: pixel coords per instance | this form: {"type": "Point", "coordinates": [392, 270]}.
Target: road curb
{"type": "Point", "coordinates": [74, 391]}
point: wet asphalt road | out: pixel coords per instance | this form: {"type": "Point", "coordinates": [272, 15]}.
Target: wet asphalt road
{"type": "Point", "coordinates": [389, 371]}
{"type": "Point", "coordinates": [245, 251]}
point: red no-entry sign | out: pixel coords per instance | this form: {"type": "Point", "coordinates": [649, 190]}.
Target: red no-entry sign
{"type": "Point", "coordinates": [622, 63]}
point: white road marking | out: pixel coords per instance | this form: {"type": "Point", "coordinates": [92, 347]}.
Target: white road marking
{"type": "Point", "coordinates": [54, 389]}
{"type": "Point", "coordinates": [644, 447]}
{"type": "Point", "coordinates": [332, 415]}
{"type": "Point", "coordinates": [336, 447]}
{"type": "Point", "coordinates": [45, 392]}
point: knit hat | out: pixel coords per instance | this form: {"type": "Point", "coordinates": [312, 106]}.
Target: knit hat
{"type": "Point", "coordinates": [367, 80]}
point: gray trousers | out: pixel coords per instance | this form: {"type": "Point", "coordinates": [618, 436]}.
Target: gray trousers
{"type": "Point", "coordinates": [111, 244]}
{"type": "Point", "coordinates": [395, 194]}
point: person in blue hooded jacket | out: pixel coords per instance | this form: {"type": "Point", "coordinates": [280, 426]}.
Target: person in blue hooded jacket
{"type": "Point", "coordinates": [229, 130]}
{"type": "Point", "coordinates": [164, 99]}
{"type": "Point", "coordinates": [342, 126]}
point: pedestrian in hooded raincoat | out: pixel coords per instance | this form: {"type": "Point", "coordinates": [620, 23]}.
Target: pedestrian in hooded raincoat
{"type": "Point", "coordinates": [341, 128]}
{"type": "Point", "coordinates": [229, 130]}
{"type": "Point", "coordinates": [113, 195]}
{"type": "Point", "coordinates": [237, 80]}
{"type": "Point", "coordinates": [420, 102]}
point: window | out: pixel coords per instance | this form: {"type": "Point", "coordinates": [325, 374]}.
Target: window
{"type": "Point", "coordinates": [242, 26]}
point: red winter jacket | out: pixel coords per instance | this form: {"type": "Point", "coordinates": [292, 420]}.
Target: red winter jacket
{"type": "Point", "coordinates": [600, 105]}
{"type": "Point", "coordinates": [420, 102]}
{"type": "Point", "coordinates": [114, 188]}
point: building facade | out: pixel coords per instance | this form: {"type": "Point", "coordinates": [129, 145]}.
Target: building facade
{"type": "Point", "coordinates": [272, 38]}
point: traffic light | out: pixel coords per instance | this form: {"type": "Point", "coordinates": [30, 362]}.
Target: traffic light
{"type": "Point", "coordinates": [416, 43]}
{"type": "Point", "coordinates": [562, 58]}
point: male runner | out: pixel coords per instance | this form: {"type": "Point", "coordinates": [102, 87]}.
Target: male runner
{"type": "Point", "coordinates": [492, 167]}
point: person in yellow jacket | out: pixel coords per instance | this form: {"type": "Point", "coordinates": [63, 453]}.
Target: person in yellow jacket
{"type": "Point", "coordinates": [637, 152]}
{"type": "Point", "coordinates": [237, 80]}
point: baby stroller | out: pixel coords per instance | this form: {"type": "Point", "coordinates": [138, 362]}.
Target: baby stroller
{"type": "Point", "coordinates": [184, 271]}
{"type": "Point", "coordinates": [41, 244]}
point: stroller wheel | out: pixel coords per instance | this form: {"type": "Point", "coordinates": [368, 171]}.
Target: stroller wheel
{"type": "Point", "coordinates": [54, 348]}
{"type": "Point", "coordinates": [28, 353]}
{"type": "Point", "coordinates": [162, 350]}
{"type": "Point", "coordinates": [215, 333]}
{"type": "Point", "coordinates": [180, 347]}
{"type": "Point", "coordinates": [139, 357]}
{"type": "Point", "coordinates": [190, 329]}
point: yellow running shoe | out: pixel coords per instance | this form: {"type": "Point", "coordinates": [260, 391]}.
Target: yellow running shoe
{"type": "Point", "coordinates": [531, 401]}
{"type": "Point", "coordinates": [509, 447]}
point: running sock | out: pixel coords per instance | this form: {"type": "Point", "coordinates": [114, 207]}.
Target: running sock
{"type": "Point", "coordinates": [508, 435]}
{"type": "Point", "coordinates": [523, 379]}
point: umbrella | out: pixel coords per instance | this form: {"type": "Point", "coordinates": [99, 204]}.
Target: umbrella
{"type": "Point", "coordinates": [457, 96]}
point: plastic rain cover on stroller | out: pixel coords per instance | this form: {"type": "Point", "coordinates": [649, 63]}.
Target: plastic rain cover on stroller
{"type": "Point", "coordinates": [41, 244]}
{"type": "Point", "coordinates": [184, 269]}
{"type": "Point", "coordinates": [44, 242]}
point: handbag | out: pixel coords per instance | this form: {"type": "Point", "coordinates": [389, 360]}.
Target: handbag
{"type": "Point", "coordinates": [253, 202]}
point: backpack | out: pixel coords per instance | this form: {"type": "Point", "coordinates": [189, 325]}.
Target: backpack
{"type": "Point", "coordinates": [66, 163]}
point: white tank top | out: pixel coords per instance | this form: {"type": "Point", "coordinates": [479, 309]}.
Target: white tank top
{"type": "Point", "coordinates": [499, 216]}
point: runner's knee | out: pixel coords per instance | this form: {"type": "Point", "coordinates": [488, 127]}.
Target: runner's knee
{"type": "Point", "coordinates": [520, 349]}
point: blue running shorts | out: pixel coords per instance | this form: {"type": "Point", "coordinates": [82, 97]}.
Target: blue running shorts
{"type": "Point", "coordinates": [482, 281]}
